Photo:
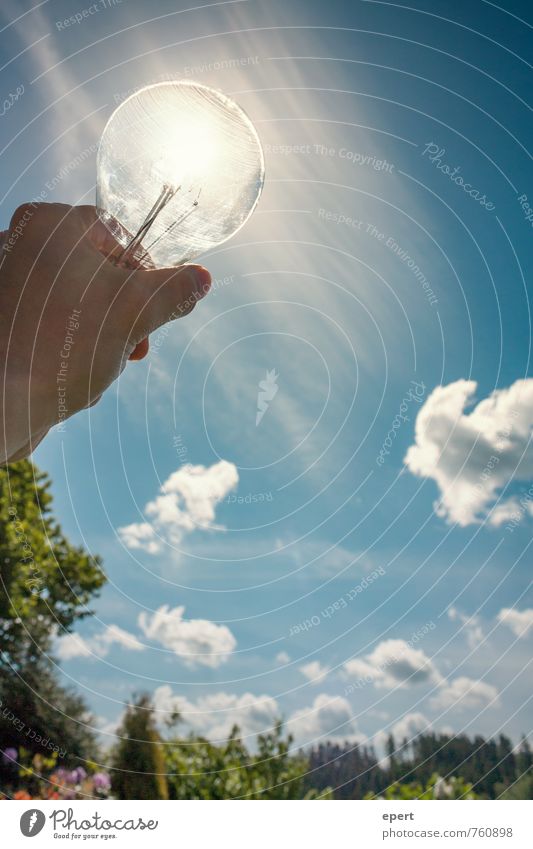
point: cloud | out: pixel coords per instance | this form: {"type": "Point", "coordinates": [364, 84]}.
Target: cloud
{"type": "Point", "coordinates": [283, 657]}
{"type": "Point", "coordinates": [512, 510]}
{"type": "Point", "coordinates": [410, 726]}
{"type": "Point", "coordinates": [186, 501]}
{"type": "Point", "coordinates": [140, 536]}
{"type": "Point", "coordinates": [519, 621]}
{"type": "Point", "coordinates": [314, 671]}
{"type": "Point", "coordinates": [326, 557]}
{"type": "Point", "coordinates": [471, 456]}
{"type": "Point", "coordinates": [471, 627]}
{"type": "Point", "coordinates": [465, 693]}
{"type": "Point", "coordinates": [72, 645]}
{"type": "Point", "coordinates": [114, 634]}
{"type": "Point", "coordinates": [214, 716]}
{"type": "Point", "coordinates": [393, 663]}
{"type": "Point", "coordinates": [197, 641]}
{"type": "Point", "coordinates": [328, 717]}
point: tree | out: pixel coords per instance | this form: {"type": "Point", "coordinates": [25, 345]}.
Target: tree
{"type": "Point", "coordinates": [352, 770]}
{"type": "Point", "coordinates": [199, 769]}
{"type": "Point", "coordinates": [522, 788]}
{"type": "Point", "coordinates": [138, 763]}
{"type": "Point", "coordinates": [40, 715]}
{"type": "Point", "coordinates": [436, 788]}
{"type": "Point", "coordinates": [46, 582]}
{"type": "Point", "coordinates": [488, 766]}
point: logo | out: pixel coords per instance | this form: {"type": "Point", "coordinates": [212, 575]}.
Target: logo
{"type": "Point", "coordinates": [32, 822]}
{"type": "Point", "coordinates": [268, 389]}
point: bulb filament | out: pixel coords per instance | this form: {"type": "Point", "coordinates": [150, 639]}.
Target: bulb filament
{"type": "Point", "coordinates": [165, 196]}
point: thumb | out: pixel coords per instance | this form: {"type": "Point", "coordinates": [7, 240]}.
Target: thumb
{"type": "Point", "coordinates": [161, 295]}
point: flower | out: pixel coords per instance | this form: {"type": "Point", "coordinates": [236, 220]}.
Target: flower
{"type": "Point", "coordinates": [21, 794]}
{"type": "Point", "coordinates": [101, 781]}
{"type": "Point", "coordinates": [442, 789]}
{"type": "Point", "coordinates": [68, 792]}
{"type": "Point", "coordinates": [9, 755]}
{"type": "Point", "coordinates": [77, 775]}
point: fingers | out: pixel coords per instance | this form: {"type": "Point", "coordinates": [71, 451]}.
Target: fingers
{"type": "Point", "coordinates": [98, 234]}
{"type": "Point", "coordinates": [148, 297]}
{"type": "Point", "coordinates": [24, 212]}
{"type": "Point", "coordinates": [141, 349]}
{"type": "Point", "coordinates": [19, 221]}
{"type": "Point", "coordinates": [162, 295]}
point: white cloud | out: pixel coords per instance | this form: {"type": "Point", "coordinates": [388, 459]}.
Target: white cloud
{"type": "Point", "coordinates": [465, 693]}
{"type": "Point", "coordinates": [114, 634]}
{"type": "Point", "coordinates": [186, 501]}
{"type": "Point", "coordinates": [393, 663]}
{"type": "Point", "coordinates": [197, 641]}
{"type": "Point", "coordinates": [410, 726]}
{"type": "Point", "coordinates": [519, 621]}
{"type": "Point", "coordinates": [471, 627]}
{"type": "Point", "coordinates": [72, 645]}
{"type": "Point", "coordinates": [283, 657]}
{"type": "Point", "coordinates": [141, 535]}
{"type": "Point", "coordinates": [214, 715]}
{"type": "Point", "coordinates": [326, 557]}
{"type": "Point", "coordinates": [511, 510]}
{"type": "Point", "coordinates": [328, 717]}
{"type": "Point", "coordinates": [314, 671]}
{"type": "Point", "coordinates": [472, 456]}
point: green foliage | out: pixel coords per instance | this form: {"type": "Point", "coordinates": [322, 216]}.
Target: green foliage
{"type": "Point", "coordinates": [487, 766]}
{"type": "Point", "coordinates": [45, 586]}
{"type": "Point", "coordinates": [46, 582]}
{"type": "Point", "coordinates": [436, 788]}
{"type": "Point", "coordinates": [40, 715]}
{"type": "Point", "coordinates": [198, 769]}
{"type": "Point", "coordinates": [138, 761]}
{"type": "Point", "coordinates": [520, 789]}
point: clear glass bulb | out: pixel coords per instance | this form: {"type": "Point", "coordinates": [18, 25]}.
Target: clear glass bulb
{"type": "Point", "coordinates": [180, 169]}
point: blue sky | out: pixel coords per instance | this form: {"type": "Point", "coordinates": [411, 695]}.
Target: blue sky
{"type": "Point", "coordinates": [384, 304]}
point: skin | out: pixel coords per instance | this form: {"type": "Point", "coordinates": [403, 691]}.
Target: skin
{"type": "Point", "coordinates": [60, 259]}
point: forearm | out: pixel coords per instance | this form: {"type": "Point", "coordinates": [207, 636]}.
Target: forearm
{"type": "Point", "coordinates": [19, 436]}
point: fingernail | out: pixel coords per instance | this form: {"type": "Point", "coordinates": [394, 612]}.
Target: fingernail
{"type": "Point", "coordinates": [201, 280]}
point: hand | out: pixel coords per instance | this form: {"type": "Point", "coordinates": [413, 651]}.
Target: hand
{"type": "Point", "coordinates": [70, 318]}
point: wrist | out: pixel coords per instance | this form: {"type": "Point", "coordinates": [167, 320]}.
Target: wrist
{"type": "Point", "coordinates": [23, 420]}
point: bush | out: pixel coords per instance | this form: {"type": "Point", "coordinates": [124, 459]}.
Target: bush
{"type": "Point", "coordinates": [198, 769]}
{"type": "Point", "coordinates": [138, 763]}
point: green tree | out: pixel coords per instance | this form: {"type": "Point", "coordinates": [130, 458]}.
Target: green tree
{"type": "Point", "coordinates": [46, 583]}
{"type": "Point", "coordinates": [138, 762]}
{"type": "Point", "coordinates": [436, 788]}
{"type": "Point", "coordinates": [45, 586]}
{"type": "Point", "coordinates": [40, 715]}
{"type": "Point", "coordinates": [198, 769]}
{"type": "Point", "coordinates": [520, 789]}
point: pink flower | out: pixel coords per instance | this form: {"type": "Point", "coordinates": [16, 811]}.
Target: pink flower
{"type": "Point", "coordinates": [101, 781]}
{"type": "Point", "coordinates": [9, 755]}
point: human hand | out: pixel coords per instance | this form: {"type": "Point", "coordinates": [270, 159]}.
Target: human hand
{"type": "Point", "coordinates": [70, 319]}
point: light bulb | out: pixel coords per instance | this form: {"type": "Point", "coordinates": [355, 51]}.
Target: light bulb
{"type": "Point", "coordinates": [179, 170]}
